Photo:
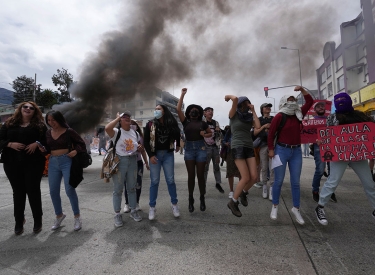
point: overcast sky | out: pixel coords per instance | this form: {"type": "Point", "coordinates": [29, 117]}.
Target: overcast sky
{"type": "Point", "coordinates": [236, 51]}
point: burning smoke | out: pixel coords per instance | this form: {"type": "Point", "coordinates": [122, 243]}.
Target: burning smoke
{"type": "Point", "coordinates": [168, 41]}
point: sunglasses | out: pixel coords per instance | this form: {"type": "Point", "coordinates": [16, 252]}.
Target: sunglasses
{"type": "Point", "coordinates": [28, 107]}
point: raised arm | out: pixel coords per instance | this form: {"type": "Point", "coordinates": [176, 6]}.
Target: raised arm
{"type": "Point", "coordinates": [234, 99]}
{"type": "Point", "coordinates": [109, 127]}
{"type": "Point", "coordinates": [181, 115]}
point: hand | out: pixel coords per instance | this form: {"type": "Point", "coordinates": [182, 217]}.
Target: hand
{"type": "Point", "coordinates": [202, 133]}
{"type": "Point", "coordinates": [227, 98]}
{"type": "Point", "coordinates": [251, 107]}
{"type": "Point", "coordinates": [318, 141]}
{"type": "Point", "coordinates": [17, 146]}
{"type": "Point", "coordinates": [271, 153]}
{"type": "Point", "coordinates": [177, 149]}
{"type": "Point", "coordinates": [118, 115]}
{"type": "Point", "coordinates": [298, 88]}
{"type": "Point", "coordinates": [72, 154]}
{"type": "Point", "coordinates": [153, 160]}
{"type": "Point", "coordinates": [267, 125]}
{"type": "Point", "coordinates": [183, 91]}
{"type": "Point", "coordinates": [41, 148]}
{"type": "Point", "coordinates": [147, 166]}
{"type": "Point", "coordinates": [31, 148]}
{"type": "Point", "coordinates": [140, 148]}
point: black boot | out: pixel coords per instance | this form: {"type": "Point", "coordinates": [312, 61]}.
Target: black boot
{"type": "Point", "coordinates": [203, 203]}
{"type": "Point", "coordinates": [37, 225]}
{"type": "Point", "coordinates": [191, 204]}
{"type": "Point", "coordinates": [18, 229]}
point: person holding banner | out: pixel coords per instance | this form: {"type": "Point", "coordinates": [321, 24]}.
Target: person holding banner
{"type": "Point", "coordinates": [285, 127]}
{"type": "Point", "coordinates": [345, 114]}
{"type": "Point", "coordinates": [320, 165]}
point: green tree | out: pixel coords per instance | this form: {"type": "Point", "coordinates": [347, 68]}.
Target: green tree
{"type": "Point", "coordinates": [23, 87]}
{"type": "Point", "coordinates": [63, 80]}
{"type": "Point", "coordinates": [48, 98]}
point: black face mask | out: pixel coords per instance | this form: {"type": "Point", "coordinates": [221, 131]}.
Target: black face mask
{"type": "Point", "coordinates": [194, 114]}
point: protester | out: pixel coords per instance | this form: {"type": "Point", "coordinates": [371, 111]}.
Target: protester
{"type": "Point", "coordinates": [241, 122]}
{"type": "Point", "coordinates": [102, 141]}
{"type": "Point", "coordinates": [288, 148]}
{"type": "Point", "coordinates": [232, 170]}
{"type": "Point", "coordinates": [195, 150]}
{"type": "Point", "coordinates": [134, 125]}
{"type": "Point", "coordinates": [126, 142]}
{"type": "Point", "coordinates": [182, 143]}
{"type": "Point", "coordinates": [223, 149]}
{"type": "Point", "coordinates": [371, 165]}
{"type": "Point", "coordinates": [60, 162]}
{"type": "Point", "coordinates": [345, 114]}
{"type": "Point", "coordinates": [320, 165]}
{"type": "Point", "coordinates": [262, 133]}
{"type": "Point", "coordinates": [306, 150]}
{"type": "Point", "coordinates": [23, 161]}
{"type": "Point", "coordinates": [212, 148]}
{"type": "Point", "coordinates": [160, 135]}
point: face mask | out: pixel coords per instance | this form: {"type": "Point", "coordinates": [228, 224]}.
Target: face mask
{"type": "Point", "coordinates": [158, 114]}
{"type": "Point", "coordinates": [194, 113]}
{"type": "Point", "coordinates": [134, 127]}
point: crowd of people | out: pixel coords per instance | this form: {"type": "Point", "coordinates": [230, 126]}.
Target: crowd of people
{"type": "Point", "coordinates": [250, 146]}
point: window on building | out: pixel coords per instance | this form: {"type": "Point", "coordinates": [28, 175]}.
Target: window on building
{"type": "Point", "coordinates": [323, 77]}
{"type": "Point", "coordinates": [339, 63]}
{"type": "Point", "coordinates": [360, 52]}
{"type": "Point", "coordinates": [358, 28]}
{"type": "Point", "coordinates": [330, 91]}
{"type": "Point", "coordinates": [141, 103]}
{"type": "Point", "coordinates": [340, 83]}
{"type": "Point", "coordinates": [324, 93]}
{"type": "Point", "coordinates": [329, 73]}
{"type": "Point", "coordinates": [141, 112]}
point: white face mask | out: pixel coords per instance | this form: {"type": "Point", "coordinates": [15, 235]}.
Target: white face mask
{"type": "Point", "coordinates": [134, 127]}
{"type": "Point", "coordinates": [158, 114]}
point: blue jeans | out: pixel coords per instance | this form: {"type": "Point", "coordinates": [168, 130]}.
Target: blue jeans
{"type": "Point", "coordinates": [319, 169]}
{"type": "Point", "coordinates": [127, 171]}
{"type": "Point", "coordinates": [292, 156]}
{"type": "Point", "coordinates": [306, 149]}
{"type": "Point", "coordinates": [58, 168]}
{"type": "Point", "coordinates": [165, 160]}
{"type": "Point", "coordinates": [362, 170]}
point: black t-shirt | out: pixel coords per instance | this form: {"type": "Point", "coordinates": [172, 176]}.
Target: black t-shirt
{"type": "Point", "coordinates": [192, 129]}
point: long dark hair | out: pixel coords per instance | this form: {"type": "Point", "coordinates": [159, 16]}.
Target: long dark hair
{"type": "Point", "coordinates": [169, 120]}
{"type": "Point", "coordinates": [16, 118]}
{"type": "Point", "coordinates": [353, 117]}
{"type": "Point", "coordinates": [58, 117]}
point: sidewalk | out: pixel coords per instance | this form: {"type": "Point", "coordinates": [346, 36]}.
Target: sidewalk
{"type": "Point", "coordinates": [210, 242]}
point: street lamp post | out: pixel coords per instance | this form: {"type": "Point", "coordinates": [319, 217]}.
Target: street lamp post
{"type": "Point", "coordinates": [299, 62]}
{"type": "Point", "coordinates": [274, 104]}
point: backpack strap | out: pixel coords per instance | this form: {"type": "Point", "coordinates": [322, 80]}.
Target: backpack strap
{"type": "Point", "coordinates": [281, 125]}
{"type": "Point", "coordinates": [117, 138]}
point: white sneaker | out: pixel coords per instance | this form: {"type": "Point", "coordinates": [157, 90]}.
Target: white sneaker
{"type": "Point", "coordinates": [270, 194]}
{"type": "Point", "coordinates": [273, 215]}
{"type": "Point", "coordinates": [58, 222]}
{"type": "Point", "coordinates": [258, 185]}
{"type": "Point", "coordinates": [151, 213]}
{"type": "Point", "coordinates": [118, 220]}
{"type": "Point", "coordinates": [264, 193]}
{"type": "Point", "coordinates": [77, 224]}
{"type": "Point", "coordinates": [297, 215]}
{"type": "Point", "coordinates": [230, 195]}
{"type": "Point", "coordinates": [138, 207]}
{"type": "Point", "coordinates": [126, 208]}
{"type": "Point", "coordinates": [175, 210]}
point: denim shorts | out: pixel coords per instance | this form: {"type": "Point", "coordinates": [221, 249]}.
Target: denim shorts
{"type": "Point", "coordinates": [242, 153]}
{"type": "Point", "coordinates": [195, 150]}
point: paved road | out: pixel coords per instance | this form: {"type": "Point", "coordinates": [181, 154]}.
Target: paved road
{"type": "Point", "coordinates": [210, 242]}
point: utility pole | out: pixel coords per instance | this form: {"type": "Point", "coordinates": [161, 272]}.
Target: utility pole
{"type": "Point", "coordinates": [34, 89]}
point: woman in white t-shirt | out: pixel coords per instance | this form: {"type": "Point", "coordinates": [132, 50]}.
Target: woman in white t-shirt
{"type": "Point", "coordinates": [126, 146]}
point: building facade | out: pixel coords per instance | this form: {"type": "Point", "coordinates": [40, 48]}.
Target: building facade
{"type": "Point", "coordinates": [350, 67]}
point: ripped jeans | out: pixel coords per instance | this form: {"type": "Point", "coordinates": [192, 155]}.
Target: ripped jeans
{"type": "Point", "coordinates": [127, 170]}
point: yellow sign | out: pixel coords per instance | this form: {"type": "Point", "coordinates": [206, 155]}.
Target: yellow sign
{"type": "Point", "coordinates": [367, 93]}
{"type": "Point", "coordinates": [355, 98]}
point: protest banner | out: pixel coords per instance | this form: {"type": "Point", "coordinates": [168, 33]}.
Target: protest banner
{"type": "Point", "coordinates": [309, 130]}
{"type": "Point", "coordinates": [350, 142]}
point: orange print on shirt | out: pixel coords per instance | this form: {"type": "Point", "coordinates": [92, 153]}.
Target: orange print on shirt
{"type": "Point", "coordinates": [129, 145]}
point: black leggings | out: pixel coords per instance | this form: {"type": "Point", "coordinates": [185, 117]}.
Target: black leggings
{"type": "Point", "coordinates": [200, 166]}
{"type": "Point", "coordinates": [25, 178]}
